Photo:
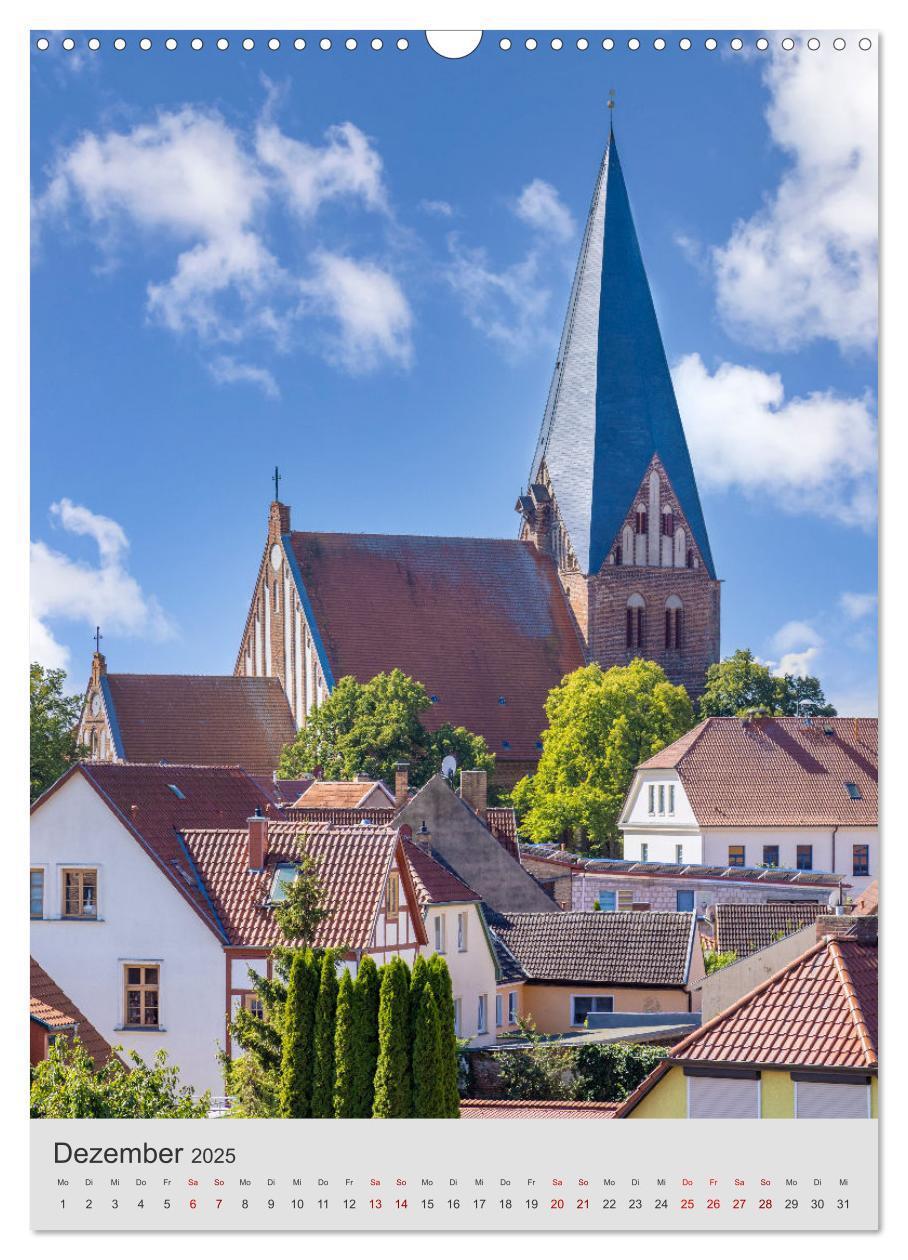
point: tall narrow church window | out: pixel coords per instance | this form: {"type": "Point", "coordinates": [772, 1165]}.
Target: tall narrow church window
{"type": "Point", "coordinates": [690, 557]}
{"type": "Point", "coordinates": [641, 523]}
{"type": "Point", "coordinates": [674, 612]}
{"type": "Point", "coordinates": [636, 622]}
{"type": "Point", "coordinates": [618, 554]}
{"type": "Point", "coordinates": [668, 523]}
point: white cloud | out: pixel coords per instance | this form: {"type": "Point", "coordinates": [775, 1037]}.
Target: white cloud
{"type": "Point", "coordinates": [796, 634]}
{"type": "Point", "coordinates": [856, 606]}
{"type": "Point", "coordinates": [443, 209]}
{"type": "Point", "coordinates": [798, 664]}
{"type": "Point", "coordinates": [540, 206]}
{"type": "Point", "coordinates": [804, 265]}
{"type": "Point", "coordinates": [798, 645]}
{"type": "Point", "coordinates": [509, 306]}
{"type": "Point", "coordinates": [815, 454]}
{"type": "Point", "coordinates": [373, 316]}
{"type": "Point", "coordinates": [190, 181]}
{"type": "Point", "coordinates": [228, 371]}
{"type": "Point", "coordinates": [105, 593]}
{"type": "Point", "coordinates": [345, 166]}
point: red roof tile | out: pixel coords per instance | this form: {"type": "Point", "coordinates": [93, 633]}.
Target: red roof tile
{"type": "Point", "coordinates": [338, 794]}
{"type": "Point", "coordinates": [476, 620]}
{"type": "Point", "coordinates": [745, 928]}
{"type": "Point", "coordinates": [200, 720]}
{"type": "Point", "coordinates": [775, 770]}
{"type": "Point", "coordinates": [49, 1006]}
{"type": "Point", "coordinates": [434, 883]}
{"type": "Point", "coordinates": [529, 1109]}
{"type": "Point", "coordinates": [353, 865]}
{"type": "Point", "coordinates": [502, 823]}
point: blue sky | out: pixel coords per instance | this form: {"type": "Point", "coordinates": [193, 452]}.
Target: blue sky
{"type": "Point", "coordinates": [355, 264]}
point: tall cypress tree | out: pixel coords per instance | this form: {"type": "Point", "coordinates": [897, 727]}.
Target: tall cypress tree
{"type": "Point", "coordinates": [345, 1050]}
{"type": "Point", "coordinates": [429, 1100]}
{"type": "Point", "coordinates": [419, 978]}
{"type": "Point", "coordinates": [325, 1011]}
{"type": "Point", "coordinates": [440, 980]}
{"type": "Point", "coordinates": [298, 1024]}
{"type": "Point", "coordinates": [393, 1087]}
{"type": "Point", "coordinates": [365, 1046]}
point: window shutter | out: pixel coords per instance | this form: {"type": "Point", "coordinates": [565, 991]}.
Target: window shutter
{"type": "Point", "coordinates": [722, 1098]}
{"type": "Point", "coordinates": [820, 1100]}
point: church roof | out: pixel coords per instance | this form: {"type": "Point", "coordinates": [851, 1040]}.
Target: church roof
{"type": "Point", "coordinates": [611, 404]}
{"type": "Point", "coordinates": [200, 720]}
{"type": "Point", "coordinates": [482, 623]}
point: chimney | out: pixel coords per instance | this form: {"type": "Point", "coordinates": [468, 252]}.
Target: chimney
{"type": "Point", "coordinates": [474, 790]}
{"type": "Point", "coordinates": [258, 840]}
{"type": "Point", "coordinates": [401, 784]}
{"type": "Point", "coordinates": [423, 838]}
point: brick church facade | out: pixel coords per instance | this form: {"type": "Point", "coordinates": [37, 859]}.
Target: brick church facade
{"type": "Point", "coordinates": [612, 559]}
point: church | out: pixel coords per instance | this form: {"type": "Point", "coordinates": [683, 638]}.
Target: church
{"type": "Point", "coordinates": [611, 561]}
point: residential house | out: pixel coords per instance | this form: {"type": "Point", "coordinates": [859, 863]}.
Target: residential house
{"type": "Point", "coordinates": [802, 1044]}
{"type": "Point", "coordinates": [152, 895]}
{"type": "Point", "coordinates": [773, 792]}
{"type": "Point", "coordinates": [52, 1015]}
{"type": "Point", "coordinates": [577, 964]}
{"type": "Point", "coordinates": [360, 793]}
{"type": "Point", "coordinates": [607, 884]}
{"type": "Point", "coordinates": [744, 929]}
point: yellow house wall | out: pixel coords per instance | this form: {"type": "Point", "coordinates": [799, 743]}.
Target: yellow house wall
{"type": "Point", "coordinates": [667, 1100]}
{"type": "Point", "coordinates": [874, 1099]}
{"type": "Point", "coordinates": [776, 1095]}
{"type": "Point", "coordinates": [550, 1005]}
{"type": "Point", "coordinates": [502, 991]}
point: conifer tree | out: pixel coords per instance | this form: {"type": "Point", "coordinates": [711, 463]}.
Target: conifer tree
{"type": "Point", "coordinates": [393, 1087]}
{"type": "Point", "coordinates": [365, 1045]}
{"type": "Point", "coordinates": [440, 980]}
{"type": "Point", "coordinates": [345, 1052]}
{"type": "Point", "coordinates": [419, 978]}
{"type": "Point", "coordinates": [429, 1100]}
{"type": "Point", "coordinates": [325, 1010]}
{"type": "Point", "coordinates": [298, 1024]}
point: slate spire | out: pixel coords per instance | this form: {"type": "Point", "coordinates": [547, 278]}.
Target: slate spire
{"type": "Point", "coordinates": [611, 404]}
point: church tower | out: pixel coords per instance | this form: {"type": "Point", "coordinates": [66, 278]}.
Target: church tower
{"type": "Point", "coordinates": [612, 496]}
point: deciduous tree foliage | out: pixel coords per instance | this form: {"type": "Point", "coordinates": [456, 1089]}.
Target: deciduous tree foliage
{"type": "Point", "coordinates": [53, 720]}
{"type": "Point", "coordinates": [428, 1082]}
{"type": "Point", "coordinates": [741, 684]}
{"type": "Point", "coordinates": [393, 1080]}
{"type": "Point", "coordinates": [367, 728]}
{"type": "Point", "coordinates": [324, 1066]}
{"type": "Point", "coordinates": [440, 981]}
{"type": "Point", "coordinates": [602, 723]}
{"type": "Point", "coordinates": [67, 1085]}
{"type": "Point", "coordinates": [297, 1037]}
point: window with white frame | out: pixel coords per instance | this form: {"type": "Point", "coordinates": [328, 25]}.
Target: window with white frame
{"type": "Point", "coordinates": [36, 892]}
{"type": "Point", "coordinates": [723, 1097]}
{"type": "Point", "coordinates": [661, 797]}
{"type": "Point", "coordinates": [644, 852]}
{"type": "Point", "coordinates": [679, 854]}
{"type": "Point", "coordinates": [512, 1007]}
{"type": "Point", "coordinates": [589, 1004]}
{"type": "Point", "coordinates": [482, 1013]}
{"type": "Point", "coordinates": [462, 932]}
{"type": "Point", "coordinates": [651, 798]}
{"type": "Point", "coordinates": [671, 798]}
{"type": "Point", "coordinates": [439, 933]}
{"type": "Point", "coordinates": [499, 1010]}
{"type": "Point", "coordinates": [458, 1016]}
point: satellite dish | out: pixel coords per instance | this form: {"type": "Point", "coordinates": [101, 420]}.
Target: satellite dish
{"type": "Point", "coordinates": [448, 766]}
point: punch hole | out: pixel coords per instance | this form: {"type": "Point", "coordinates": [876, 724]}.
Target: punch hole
{"type": "Point", "coordinates": [274, 44]}
{"type": "Point", "coordinates": [813, 44]}
{"type": "Point", "coordinates": [145, 44]}
{"type": "Point", "coordinates": [712, 44]}
{"type": "Point", "coordinates": [377, 43]}
{"type": "Point", "coordinates": [248, 44]}
{"type": "Point", "coordinates": [69, 44]}
{"type": "Point", "coordinates": [94, 43]}
{"type": "Point", "coordinates": [299, 44]}
{"type": "Point", "coordinates": [42, 44]}
{"type": "Point", "coordinates": [659, 44]}
{"type": "Point", "coordinates": [350, 44]}
{"type": "Point", "coordinates": [608, 44]}
{"type": "Point", "coordinates": [737, 43]}
{"type": "Point", "coordinates": [788, 43]}
{"type": "Point", "coordinates": [170, 44]}
{"type": "Point", "coordinates": [120, 43]}
{"type": "Point", "coordinates": [684, 44]}
{"type": "Point", "coordinates": [557, 44]}
{"type": "Point", "coordinates": [838, 44]}
{"type": "Point", "coordinates": [633, 44]}
{"type": "Point", "coordinates": [583, 44]}
{"type": "Point", "coordinates": [864, 44]}
{"type": "Point", "coordinates": [223, 44]}
{"type": "Point", "coordinates": [531, 44]}
{"type": "Point", "coordinates": [403, 44]}
{"type": "Point", "coordinates": [504, 44]}
{"type": "Point", "coordinates": [324, 44]}
{"type": "Point", "coordinates": [762, 43]}
{"type": "Point", "coordinates": [197, 44]}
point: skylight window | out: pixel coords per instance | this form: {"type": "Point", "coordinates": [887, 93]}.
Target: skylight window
{"type": "Point", "coordinates": [284, 874]}
{"type": "Point", "coordinates": [181, 796]}
{"type": "Point", "coordinates": [853, 791]}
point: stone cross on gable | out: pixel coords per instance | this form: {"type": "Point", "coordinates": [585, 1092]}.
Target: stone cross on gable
{"type": "Point", "coordinates": [277, 480]}
{"type": "Point", "coordinates": [98, 637]}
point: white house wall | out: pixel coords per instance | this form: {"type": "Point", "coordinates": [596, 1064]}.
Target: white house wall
{"type": "Point", "coordinates": [141, 918]}
{"type": "Point", "coordinates": [472, 970]}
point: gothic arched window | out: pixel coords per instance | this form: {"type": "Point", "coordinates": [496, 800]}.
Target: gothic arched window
{"type": "Point", "coordinates": [636, 622]}
{"type": "Point", "coordinates": [640, 521]}
{"type": "Point", "coordinates": [674, 619]}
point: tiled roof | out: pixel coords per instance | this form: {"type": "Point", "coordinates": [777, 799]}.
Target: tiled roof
{"type": "Point", "coordinates": [869, 900]}
{"type": "Point", "coordinates": [282, 791]}
{"type": "Point", "coordinates": [745, 928]}
{"type": "Point", "coordinates": [338, 794]}
{"type": "Point", "coordinates": [554, 855]}
{"type": "Point", "coordinates": [482, 623]}
{"type": "Point", "coordinates": [435, 884]}
{"type": "Point", "coordinates": [206, 796]}
{"type": "Point", "coordinates": [528, 1109]}
{"type": "Point", "coordinates": [509, 969]}
{"type": "Point", "coordinates": [378, 817]}
{"type": "Point", "coordinates": [502, 822]}
{"type": "Point", "coordinates": [777, 771]}
{"type": "Point", "coordinates": [353, 865]}
{"type": "Point", "coordinates": [594, 948]}
{"type": "Point", "coordinates": [200, 720]}
{"type": "Point", "coordinates": [50, 1006]}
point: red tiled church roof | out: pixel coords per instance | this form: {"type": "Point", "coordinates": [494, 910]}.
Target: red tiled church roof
{"type": "Point", "coordinates": [482, 623]}
{"type": "Point", "coordinates": [50, 1007]}
{"type": "Point", "coordinates": [203, 720]}
{"type": "Point", "coordinates": [777, 770]}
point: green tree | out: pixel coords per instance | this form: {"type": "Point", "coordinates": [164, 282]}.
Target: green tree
{"type": "Point", "coordinates": [741, 684]}
{"type": "Point", "coordinates": [540, 1069]}
{"type": "Point", "coordinates": [345, 1050]}
{"type": "Point", "coordinates": [297, 1029]}
{"type": "Point", "coordinates": [715, 960]}
{"type": "Point", "coordinates": [367, 728]}
{"type": "Point", "coordinates": [324, 1036]}
{"type": "Point", "coordinates": [53, 718]}
{"type": "Point", "coordinates": [602, 724]}
{"type": "Point", "coordinates": [365, 1008]}
{"type": "Point", "coordinates": [303, 908]}
{"type": "Point", "coordinates": [428, 1085]}
{"type": "Point", "coordinates": [608, 1073]}
{"type": "Point", "coordinates": [393, 1082]}
{"type": "Point", "coordinates": [442, 991]}
{"type": "Point", "coordinates": [419, 979]}
{"type": "Point", "coordinates": [68, 1085]}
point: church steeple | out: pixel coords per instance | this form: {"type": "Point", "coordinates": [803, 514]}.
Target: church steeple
{"type": "Point", "coordinates": [611, 405]}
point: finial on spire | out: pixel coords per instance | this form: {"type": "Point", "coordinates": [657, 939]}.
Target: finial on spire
{"type": "Point", "coordinates": [98, 637]}
{"type": "Point", "coordinates": [611, 107]}
{"type": "Point", "coordinates": [277, 481]}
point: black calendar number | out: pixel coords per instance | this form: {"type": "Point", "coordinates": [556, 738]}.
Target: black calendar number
{"type": "Point", "coordinates": [634, 1204]}
{"type": "Point", "coordinates": [296, 1203]}
{"type": "Point", "coordinates": [817, 1203]}
{"type": "Point", "coordinates": [213, 1155]}
{"type": "Point", "coordinates": [504, 1203]}
{"type": "Point", "coordinates": [88, 1204]}
{"type": "Point", "coordinates": [166, 1205]}
{"type": "Point", "coordinates": [791, 1204]}
{"type": "Point", "coordinates": [660, 1203]}
{"type": "Point", "coordinates": [532, 1203]}
{"type": "Point", "coordinates": [428, 1204]}
{"type": "Point", "coordinates": [609, 1204]}
{"type": "Point", "coordinates": [841, 1203]}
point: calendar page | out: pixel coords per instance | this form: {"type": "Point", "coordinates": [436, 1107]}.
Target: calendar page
{"type": "Point", "coordinates": [453, 664]}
